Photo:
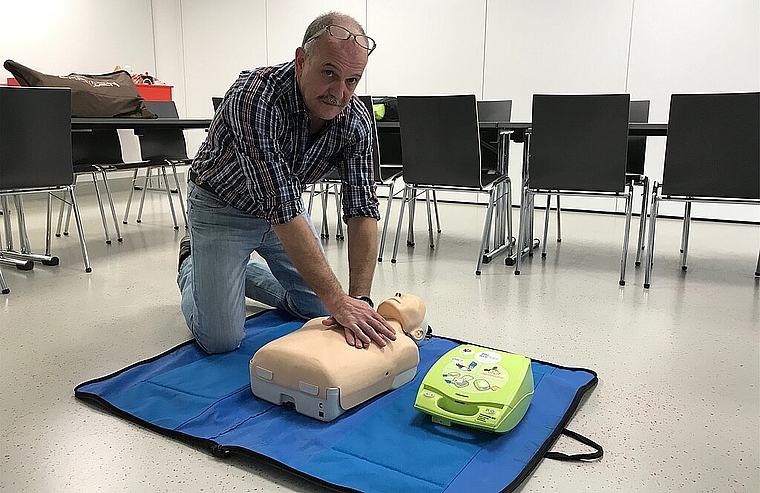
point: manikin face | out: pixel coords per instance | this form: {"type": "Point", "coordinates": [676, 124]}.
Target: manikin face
{"type": "Point", "coordinates": [329, 75]}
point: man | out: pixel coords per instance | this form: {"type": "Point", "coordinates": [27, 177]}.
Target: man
{"type": "Point", "coordinates": [278, 129]}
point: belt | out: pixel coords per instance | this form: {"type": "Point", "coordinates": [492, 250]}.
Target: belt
{"type": "Point", "coordinates": [197, 180]}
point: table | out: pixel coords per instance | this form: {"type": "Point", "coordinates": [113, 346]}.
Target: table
{"type": "Point", "coordinates": [87, 124]}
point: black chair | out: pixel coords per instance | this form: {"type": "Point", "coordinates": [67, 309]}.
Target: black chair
{"type": "Point", "coordinates": [216, 101]}
{"type": "Point", "coordinates": [159, 148]}
{"type": "Point", "coordinates": [712, 154]}
{"type": "Point", "coordinates": [577, 146]}
{"type": "Point", "coordinates": [440, 138]}
{"type": "Point", "coordinates": [386, 173]}
{"type": "Point", "coordinates": [94, 153]}
{"type": "Point", "coordinates": [35, 157]}
{"type": "Point", "coordinates": [639, 113]}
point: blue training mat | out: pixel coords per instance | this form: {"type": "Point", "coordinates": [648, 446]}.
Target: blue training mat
{"type": "Point", "coordinates": [380, 446]}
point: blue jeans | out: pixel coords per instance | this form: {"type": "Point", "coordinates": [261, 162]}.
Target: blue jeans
{"type": "Point", "coordinates": [219, 274]}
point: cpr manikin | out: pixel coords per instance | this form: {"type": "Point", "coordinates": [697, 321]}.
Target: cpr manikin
{"type": "Point", "coordinates": [317, 372]}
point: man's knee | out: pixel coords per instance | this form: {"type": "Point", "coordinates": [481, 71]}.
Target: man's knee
{"type": "Point", "coordinates": [219, 343]}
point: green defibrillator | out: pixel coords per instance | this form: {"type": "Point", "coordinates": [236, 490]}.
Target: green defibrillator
{"type": "Point", "coordinates": [477, 387]}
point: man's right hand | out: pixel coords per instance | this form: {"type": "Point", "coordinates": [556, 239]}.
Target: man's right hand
{"type": "Point", "coordinates": [362, 324]}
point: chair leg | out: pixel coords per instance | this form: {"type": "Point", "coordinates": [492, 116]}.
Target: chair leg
{"type": "Point", "coordinates": [437, 216]}
{"type": "Point", "coordinates": [131, 194]}
{"type": "Point", "coordinates": [510, 239]}
{"type": "Point", "coordinates": [312, 191]}
{"type": "Point", "coordinates": [430, 220]}
{"type": "Point", "coordinates": [100, 205]}
{"type": "Point", "coordinates": [323, 194]}
{"type": "Point", "coordinates": [627, 234]}
{"type": "Point", "coordinates": [546, 223]}
{"type": "Point", "coordinates": [642, 220]}
{"type": "Point", "coordinates": [179, 192]}
{"type": "Point", "coordinates": [559, 221]}
{"type": "Point", "coordinates": [169, 197]}
{"type": "Point", "coordinates": [685, 235]}
{"type": "Point", "coordinates": [385, 222]}
{"type": "Point", "coordinates": [110, 203]}
{"type": "Point", "coordinates": [148, 175]}
{"type": "Point", "coordinates": [80, 230]}
{"type": "Point", "coordinates": [404, 198]}
{"type": "Point", "coordinates": [492, 197]}
{"type": "Point", "coordinates": [3, 285]}
{"type": "Point", "coordinates": [339, 227]}
{"type": "Point", "coordinates": [64, 203]}
{"type": "Point", "coordinates": [523, 228]}
{"type": "Point", "coordinates": [412, 210]}
{"type": "Point", "coordinates": [652, 227]}
{"type": "Point", "coordinates": [7, 221]}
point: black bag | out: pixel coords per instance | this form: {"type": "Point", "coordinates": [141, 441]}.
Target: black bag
{"type": "Point", "coordinates": [391, 107]}
{"type": "Point", "coordinates": [103, 95]}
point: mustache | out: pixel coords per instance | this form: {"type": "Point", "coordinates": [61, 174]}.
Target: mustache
{"type": "Point", "coordinates": [332, 101]}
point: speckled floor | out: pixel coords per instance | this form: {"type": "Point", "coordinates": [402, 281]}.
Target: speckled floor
{"type": "Point", "coordinates": [676, 408]}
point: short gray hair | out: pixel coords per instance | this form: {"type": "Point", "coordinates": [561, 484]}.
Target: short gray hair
{"type": "Point", "coordinates": [319, 25]}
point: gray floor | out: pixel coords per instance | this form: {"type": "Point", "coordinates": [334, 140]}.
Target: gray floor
{"type": "Point", "coordinates": [676, 408]}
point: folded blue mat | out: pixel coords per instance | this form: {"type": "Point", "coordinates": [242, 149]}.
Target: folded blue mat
{"type": "Point", "coordinates": [380, 446]}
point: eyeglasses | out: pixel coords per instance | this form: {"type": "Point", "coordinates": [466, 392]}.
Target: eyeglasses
{"type": "Point", "coordinates": [340, 32]}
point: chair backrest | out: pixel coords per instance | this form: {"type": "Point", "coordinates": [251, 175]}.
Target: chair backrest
{"type": "Point", "coordinates": [637, 145]}
{"type": "Point", "coordinates": [498, 110]}
{"type": "Point", "coordinates": [35, 137]}
{"type": "Point", "coordinates": [367, 100]}
{"type": "Point", "coordinates": [216, 101]}
{"type": "Point", "coordinates": [158, 144]}
{"type": "Point", "coordinates": [713, 146]}
{"type": "Point", "coordinates": [101, 146]}
{"type": "Point", "coordinates": [440, 140]}
{"type": "Point", "coordinates": [579, 142]}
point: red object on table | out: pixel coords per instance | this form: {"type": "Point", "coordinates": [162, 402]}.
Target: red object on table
{"type": "Point", "coordinates": [153, 92]}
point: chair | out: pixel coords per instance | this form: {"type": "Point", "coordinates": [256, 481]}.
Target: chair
{"type": "Point", "coordinates": [159, 148]}
{"type": "Point", "coordinates": [639, 113]}
{"type": "Point", "coordinates": [440, 138]}
{"type": "Point", "coordinates": [578, 146]}
{"type": "Point", "coordinates": [95, 152]}
{"type": "Point", "coordinates": [712, 154]}
{"type": "Point", "coordinates": [216, 101]}
{"type": "Point", "coordinates": [386, 173]}
{"type": "Point", "coordinates": [35, 157]}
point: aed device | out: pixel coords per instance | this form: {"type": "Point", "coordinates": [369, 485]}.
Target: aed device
{"type": "Point", "coordinates": [477, 387]}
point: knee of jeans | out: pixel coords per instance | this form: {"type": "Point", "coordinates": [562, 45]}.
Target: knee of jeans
{"type": "Point", "coordinates": [219, 345]}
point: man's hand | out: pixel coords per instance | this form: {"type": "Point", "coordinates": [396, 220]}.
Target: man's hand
{"type": "Point", "coordinates": [362, 324]}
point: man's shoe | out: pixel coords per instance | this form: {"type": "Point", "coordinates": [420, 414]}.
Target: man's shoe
{"type": "Point", "coordinates": [184, 250]}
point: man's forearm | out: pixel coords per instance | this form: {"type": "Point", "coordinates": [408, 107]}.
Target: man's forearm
{"type": "Point", "coordinates": [362, 254]}
{"type": "Point", "coordinates": [302, 248]}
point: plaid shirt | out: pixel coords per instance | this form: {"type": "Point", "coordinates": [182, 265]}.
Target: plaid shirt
{"type": "Point", "coordinates": [258, 155]}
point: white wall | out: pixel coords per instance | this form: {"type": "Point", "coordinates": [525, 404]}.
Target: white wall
{"type": "Point", "coordinates": [495, 49]}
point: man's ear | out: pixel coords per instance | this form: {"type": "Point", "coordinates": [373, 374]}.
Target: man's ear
{"type": "Point", "coordinates": [300, 60]}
